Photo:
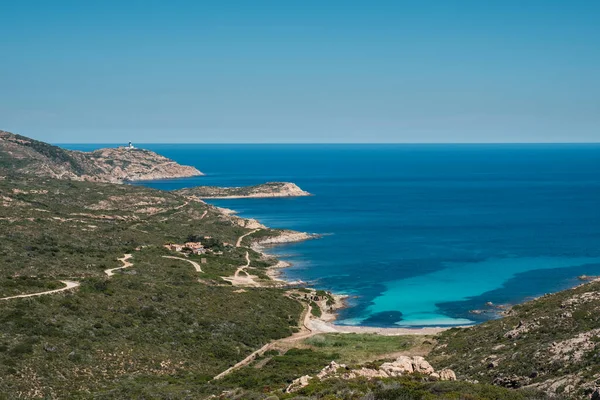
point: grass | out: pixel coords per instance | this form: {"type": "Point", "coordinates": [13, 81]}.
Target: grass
{"type": "Point", "coordinates": [353, 348]}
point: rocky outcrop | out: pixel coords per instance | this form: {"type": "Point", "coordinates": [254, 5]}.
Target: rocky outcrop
{"type": "Point", "coordinates": [298, 384]}
{"type": "Point", "coordinates": [520, 329]}
{"type": "Point", "coordinates": [447, 375]}
{"type": "Point", "coordinates": [124, 164]}
{"type": "Point", "coordinates": [403, 365]}
{"type": "Point", "coordinates": [407, 365]}
{"type": "Point", "coordinates": [421, 366]}
{"type": "Point", "coordinates": [287, 236]}
{"type": "Point", "coordinates": [270, 189]}
{"type": "Point", "coordinates": [574, 349]}
{"type": "Point", "coordinates": [116, 165]}
{"type": "Point", "coordinates": [330, 370]}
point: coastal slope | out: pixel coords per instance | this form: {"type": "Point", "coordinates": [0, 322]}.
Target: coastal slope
{"type": "Point", "coordinates": [21, 154]}
{"type": "Point", "coordinates": [549, 344]}
{"type": "Point", "coordinates": [269, 189]}
{"type": "Point", "coordinates": [142, 323]}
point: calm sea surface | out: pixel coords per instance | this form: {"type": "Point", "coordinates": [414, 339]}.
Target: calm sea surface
{"type": "Point", "coordinates": [419, 235]}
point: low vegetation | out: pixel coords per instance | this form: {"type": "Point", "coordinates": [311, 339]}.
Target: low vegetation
{"type": "Point", "coordinates": [159, 329]}
{"type": "Point", "coordinates": [550, 343]}
{"type": "Point", "coordinates": [151, 328]}
{"type": "Point", "coordinates": [270, 189]}
{"type": "Point", "coordinates": [354, 348]}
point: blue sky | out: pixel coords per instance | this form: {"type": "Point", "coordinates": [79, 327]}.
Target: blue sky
{"type": "Point", "coordinates": [301, 71]}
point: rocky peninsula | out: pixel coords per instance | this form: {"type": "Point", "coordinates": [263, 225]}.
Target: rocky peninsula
{"type": "Point", "coordinates": [269, 189]}
{"type": "Point", "coordinates": [112, 165]}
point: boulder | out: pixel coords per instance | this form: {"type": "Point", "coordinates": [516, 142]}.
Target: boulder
{"type": "Point", "coordinates": [298, 384]}
{"type": "Point", "coordinates": [447, 375]}
{"type": "Point", "coordinates": [402, 365]}
{"type": "Point", "coordinates": [420, 365]}
{"type": "Point", "coordinates": [370, 373]}
{"type": "Point", "coordinates": [329, 370]}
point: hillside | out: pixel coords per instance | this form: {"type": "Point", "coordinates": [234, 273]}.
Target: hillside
{"type": "Point", "coordinates": [142, 323]}
{"type": "Point", "coordinates": [131, 316]}
{"type": "Point", "coordinates": [269, 189]}
{"type": "Point", "coordinates": [129, 333]}
{"type": "Point", "coordinates": [24, 155]}
{"type": "Point", "coordinates": [550, 344]}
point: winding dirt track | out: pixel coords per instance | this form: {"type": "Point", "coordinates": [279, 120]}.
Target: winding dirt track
{"type": "Point", "coordinates": [243, 280]}
{"type": "Point", "coordinates": [126, 264]}
{"type": "Point", "coordinates": [69, 285]}
{"type": "Point", "coordinates": [304, 333]}
{"type": "Point", "coordinates": [72, 284]}
{"type": "Point", "coordinates": [194, 263]}
{"type": "Point", "coordinates": [243, 267]}
{"type": "Point", "coordinates": [239, 241]}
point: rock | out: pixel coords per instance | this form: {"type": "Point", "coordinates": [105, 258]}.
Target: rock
{"type": "Point", "coordinates": [402, 365]}
{"type": "Point", "coordinates": [49, 349]}
{"type": "Point", "coordinates": [370, 373]}
{"type": "Point", "coordinates": [420, 365]}
{"type": "Point", "coordinates": [520, 329]}
{"type": "Point", "coordinates": [287, 236]}
{"type": "Point", "coordinates": [329, 370]}
{"type": "Point", "coordinates": [298, 384]}
{"type": "Point", "coordinates": [447, 375]}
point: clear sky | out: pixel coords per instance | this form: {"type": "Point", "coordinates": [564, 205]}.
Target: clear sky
{"type": "Point", "coordinates": [301, 70]}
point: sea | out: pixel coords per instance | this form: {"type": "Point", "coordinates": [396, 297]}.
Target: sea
{"type": "Point", "coordinates": [418, 235]}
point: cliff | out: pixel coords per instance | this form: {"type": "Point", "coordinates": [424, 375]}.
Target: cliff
{"type": "Point", "coordinates": [270, 189]}
{"type": "Point", "coordinates": [24, 155]}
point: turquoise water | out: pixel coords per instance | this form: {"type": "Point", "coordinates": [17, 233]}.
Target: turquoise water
{"type": "Point", "coordinates": [419, 235]}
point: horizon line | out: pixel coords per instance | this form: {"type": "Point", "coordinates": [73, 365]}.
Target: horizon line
{"type": "Point", "coordinates": [329, 143]}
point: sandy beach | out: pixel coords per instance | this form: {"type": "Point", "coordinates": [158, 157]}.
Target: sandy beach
{"type": "Point", "coordinates": [326, 323]}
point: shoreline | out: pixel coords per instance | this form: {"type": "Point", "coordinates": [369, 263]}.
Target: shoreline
{"type": "Point", "coordinates": [326, 322]}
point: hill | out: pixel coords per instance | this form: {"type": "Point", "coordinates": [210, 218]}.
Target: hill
{"type": "Point", "coordinates": [19, 154]}
{"type": "Point", "coordinates": [138, 319]}
{"type": "Point", "coordinates": [551, 344]}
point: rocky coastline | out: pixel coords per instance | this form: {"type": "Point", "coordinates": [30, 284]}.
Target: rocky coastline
{"type": "Point", "coordinates": [110, 165]}
{"type": "Point", "coordinates": [265, 190]}
{"type": "Point", "coordinates": [326, 322]}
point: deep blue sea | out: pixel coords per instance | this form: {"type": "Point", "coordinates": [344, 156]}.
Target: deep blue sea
{"type": "Point", "coordinates": [419, 235]}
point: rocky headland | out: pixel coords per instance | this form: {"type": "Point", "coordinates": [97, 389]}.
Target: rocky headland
{"type": "Point", "coordinates": [270, 189]}
{"type": "Point", "coordinates": [114, 165]}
